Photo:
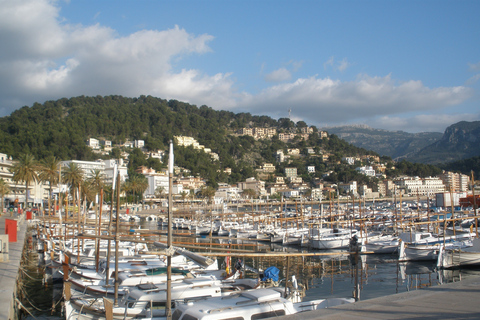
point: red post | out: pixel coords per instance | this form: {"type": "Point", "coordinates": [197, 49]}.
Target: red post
{"type": "Point", "coordinates": [29, 215]}
{"type": "Point", "coordinates": [11, 229]}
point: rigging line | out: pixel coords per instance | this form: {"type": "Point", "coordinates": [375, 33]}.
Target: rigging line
{"type": "Point", "coordinates": [31, 304]}
{"type": "Point", "coordinates": [26, 273]}
{"type": "Point", "coordinates": [21, 305]}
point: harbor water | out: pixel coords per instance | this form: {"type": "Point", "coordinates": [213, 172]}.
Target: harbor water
{"type": "Point", "coordinates": [334, 274]}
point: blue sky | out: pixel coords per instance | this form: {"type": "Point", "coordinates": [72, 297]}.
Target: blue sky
{"type": "Point", "coordinates": [394, 65]}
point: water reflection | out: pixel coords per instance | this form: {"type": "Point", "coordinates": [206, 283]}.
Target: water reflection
{"type": "Point", "coordinates": [335, 273]}
{"type": "Point", "coordinates": [332, 274]}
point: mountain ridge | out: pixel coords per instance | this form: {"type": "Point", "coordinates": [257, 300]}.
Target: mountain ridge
{"type": "Point", "coordinates": [458, 142]}
{"type": "Point", "coordinates": [395, 144]}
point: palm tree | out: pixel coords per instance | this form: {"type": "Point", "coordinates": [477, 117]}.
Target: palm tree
{"type": "Point", "coordinates": [49, 169]}
{"type": "Point", "coordinates": [159, 191]}
{"type": "Point", "coordinates": [249, 193]}
{"type": "Point", "coordinates": [208, 193]}
{"type": "Point", "coordinates": [184, 195]}
{"type": "Point", "coordinates": [73, 176]}
{"type": "Point", "coordinates": [25, 170]}
{"type": "Point", "coordinates": [137, 184]}
{"type": "Point", "coordinates": [4, 189]}
{"type": "Point", "coordinates": [97, 180]}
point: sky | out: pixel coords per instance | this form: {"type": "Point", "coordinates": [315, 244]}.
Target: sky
{"type": "Point", "coordinates": [393, 65]}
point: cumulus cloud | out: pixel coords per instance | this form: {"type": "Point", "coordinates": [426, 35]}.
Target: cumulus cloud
{"type": "Point", "coordinates": [341, 65]}
{"type": "Point", "coordinates": [474, 66]}
{"type": "Point", "coordinates": [278, 75]}
{"type": "Point", "coordinates": [44, 58]}
{"type": "Point", "coordinates": [333, 101]}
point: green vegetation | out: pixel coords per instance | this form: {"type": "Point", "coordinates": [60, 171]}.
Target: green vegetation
{"type": "Point", "coordinates": [59, 130]}
{"type": "Point", "coordinates": [464, 166]}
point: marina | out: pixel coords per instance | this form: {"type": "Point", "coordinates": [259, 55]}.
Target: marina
{"type": "Point", "coordinates": [321, 273]}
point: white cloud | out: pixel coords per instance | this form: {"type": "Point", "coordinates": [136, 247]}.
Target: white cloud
{"type": "Point", "coordinates": [472, 80]}
{"type": "Point", "coordinates": [333, 101]}
{"type": "Point", "coordinates": [42, 58]}
{"type": "Point", "coordinates": [343, 65]}
{"type": "Point", "coordinates": [336, 65]}
{"type": "Point", "coordinates": [474, 66]}
{"type": "Point", "coordinates": [278, 75]}
{"type": "Point", "coordinates": [328, 63]}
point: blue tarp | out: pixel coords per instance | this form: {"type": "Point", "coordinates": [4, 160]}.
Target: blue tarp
{"type": "Point", "coordinates": [271, 274]}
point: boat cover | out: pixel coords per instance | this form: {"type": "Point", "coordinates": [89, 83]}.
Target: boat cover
{"type": "Point", "coordinates": [271, 273]}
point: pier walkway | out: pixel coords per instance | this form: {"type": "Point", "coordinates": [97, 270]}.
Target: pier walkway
{"type": "Point", "coordinates": [9, 270]}
{"type": "Point", "coordinates": [457, 300]}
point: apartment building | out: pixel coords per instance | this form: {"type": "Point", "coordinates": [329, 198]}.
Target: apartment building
{"type": "Point", "coordinates": [290, 172]}
{"type": "Point", "coordinates": [419, 186]}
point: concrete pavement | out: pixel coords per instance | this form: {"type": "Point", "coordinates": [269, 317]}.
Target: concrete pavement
{"type": "Point", "coordinates": [457, 300]}
{"type": "Point", "coordinates": [9, 270]}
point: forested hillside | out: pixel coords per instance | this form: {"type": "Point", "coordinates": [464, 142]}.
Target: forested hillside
{"type": "Point", "coordinates": [60, 128]}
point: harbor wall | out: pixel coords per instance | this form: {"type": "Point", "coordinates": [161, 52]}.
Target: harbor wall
{"type": "Point", "coordinates": [10, 270]}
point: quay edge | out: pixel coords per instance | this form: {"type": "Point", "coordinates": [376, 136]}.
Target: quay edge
{"type": "Point", "coordinates": [10, 271]}
{"type": "Point", "coordinates": [457, 300]}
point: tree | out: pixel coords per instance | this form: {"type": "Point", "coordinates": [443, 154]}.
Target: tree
{"type": "Point", "coordinates": [184, 195]}
{"type": "Point", "coordinates": [207, 193]}
{"type": "Point", "coordinates": [73, 176]}
{"type": "Point", "coordinates": [137, 184]}
{"type": "Point", "coordinates": [249, 193]}
{"type": "Point", "coordinates": [4, 189]}
{"type": "Point", "coordinates": [97, 180]}
{"type": "Point", "coordinates": [25, 170]}
{"type": "Point", "coordinates": [159, 191]}
{"type": "Point", "coordinates": [95, 183]}
{"type": "Point", "coordinates": [49, 169]}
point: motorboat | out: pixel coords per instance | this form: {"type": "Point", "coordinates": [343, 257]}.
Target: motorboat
{"type": "Point", "coordinates": [249, 305]}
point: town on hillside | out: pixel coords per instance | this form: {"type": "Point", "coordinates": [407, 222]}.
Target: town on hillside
{"type": "Point", "coordinates": [267, 185]}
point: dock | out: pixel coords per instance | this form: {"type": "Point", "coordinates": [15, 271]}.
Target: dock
{"type": "Point", "coordinates": [456, 300]}
{"type": "Point", "coordinates": [9, 270]}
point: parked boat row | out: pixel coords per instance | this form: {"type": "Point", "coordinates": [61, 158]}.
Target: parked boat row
{"type": "Point", "coordinates": [91, 284]}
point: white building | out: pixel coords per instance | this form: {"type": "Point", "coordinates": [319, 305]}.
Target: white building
{"type": "Point", "coordinates": [110, 169]}
{"type": "Point", "coordinates": [159, 154]}
{"type": "Point", "coordinates": [106, 143]}
{"type": "Point", "coordinates": [86, 166]}
{"type": "Point", "coordinates": [419, 186]}
{"type": "Point", "coordinates": [93, 143]}
{"type": "Point", "coordinates": [348, 187]}
{"type": "Point", "coordinates": [349, 160]}
{"type": "Point", "coordinates": [139, 144]}
{"type": "Point", "coordinates": [366, 170]}
{"type": "Point", "coordinates": [311, 169]}
{"type": "Point", "coordinates": [316, 193]}
{"type": "Point", "coordinates": [290, 193]}
{"type": "Point", "coordinates": [279, 156]}
{"type": "Point", "coordinates": [36, 190]}
{"type": "Point", "coordinates": [105, 166]}
{"type": "Point", "coordinates": [227, 192]}
{"type": "Point", "coordinates": [157, 180]}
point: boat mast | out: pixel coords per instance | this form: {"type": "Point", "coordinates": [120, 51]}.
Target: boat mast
{"type": "Point", "coordinates": [168, 307]}
{"type": "Point", "coordinates": [474, 204]}
{"type": "Point", "coordinates": [117, 239]}
{"type": "Point", "coordinates": [107, 265]}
